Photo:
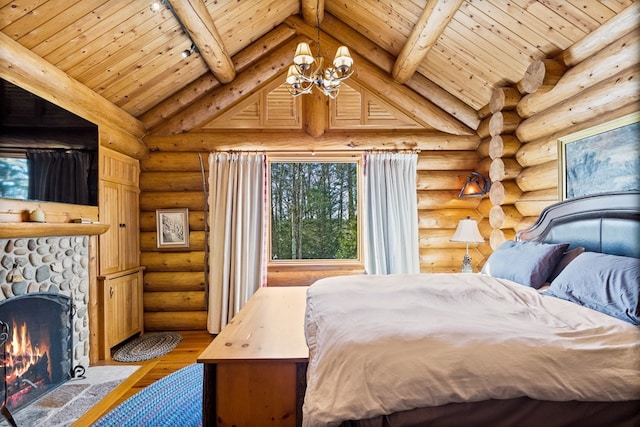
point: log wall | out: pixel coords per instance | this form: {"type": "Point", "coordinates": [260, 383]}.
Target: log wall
{"type": "Point", "coordinates": [595, 84]}
{"type": "Point", "coordinates": [503, 168]}
{"type": "Point", "coordinates": [174, 280]}
{"type": "Point", "coordinates": [171, 177]}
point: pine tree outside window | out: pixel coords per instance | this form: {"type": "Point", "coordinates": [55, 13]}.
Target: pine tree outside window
{"type": "Point", "coordinates": [314, 210]}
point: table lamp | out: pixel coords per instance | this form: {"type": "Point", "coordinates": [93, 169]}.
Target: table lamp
{"type": "Point", "coordinates": [467, 232]}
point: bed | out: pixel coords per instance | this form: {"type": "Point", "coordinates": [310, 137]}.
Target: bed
{"type": "Point", "coordinates": [548, 334]}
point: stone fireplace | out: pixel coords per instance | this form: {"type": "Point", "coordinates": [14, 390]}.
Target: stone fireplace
{"type": "Point", "coordinates": [57, 265]}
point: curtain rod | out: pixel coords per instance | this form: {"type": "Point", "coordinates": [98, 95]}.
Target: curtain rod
{"type": "Point", "coordinates": [324, 152]}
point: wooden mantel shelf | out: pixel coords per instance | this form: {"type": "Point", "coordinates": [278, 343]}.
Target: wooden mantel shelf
{"type": "Point", "coordinates": [13, 230]}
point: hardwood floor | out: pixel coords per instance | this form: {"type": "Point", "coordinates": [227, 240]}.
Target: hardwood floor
{"type": "Point", "coordinates": [186, 353]}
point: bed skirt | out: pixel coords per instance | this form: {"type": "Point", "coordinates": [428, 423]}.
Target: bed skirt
{"type": "Point", "coordinates": [521, 412]}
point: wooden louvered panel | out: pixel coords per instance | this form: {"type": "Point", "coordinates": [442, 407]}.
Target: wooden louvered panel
{"type": "Point", "coordinates": [346, 108]}
{"type": "Point", "coordinates": [377, 112]}
{"type": "Point", "coordinates": [252, 112]}
{"type": "Point", "coordinates": [380, 114]}
{"type": "Point", "coordinates": [356, 108]}
{"type": "Point", "coordinates": [281, 108]}
{"type": "Point", "coordinates": [270, 108]}
{"type": "Point", "coordinates": [244, 116]}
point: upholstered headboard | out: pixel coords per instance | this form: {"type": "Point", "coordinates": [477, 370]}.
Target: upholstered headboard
{"type": "Point", "coordinates": [606, 223]}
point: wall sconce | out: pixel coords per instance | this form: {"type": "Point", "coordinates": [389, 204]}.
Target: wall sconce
{"type": "Point", "coordinates": [467, 232]}
{"type": "Point", "coordinates": [477, 185]}
{"type": "Point", "coordinates": [14, 275]}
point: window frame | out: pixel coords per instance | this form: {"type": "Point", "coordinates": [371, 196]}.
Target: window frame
{"type": "Point", "coordinates": [314, 158]}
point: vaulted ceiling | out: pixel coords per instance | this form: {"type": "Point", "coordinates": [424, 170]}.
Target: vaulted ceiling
{"type": "Point", "coordinates": [445, 56]}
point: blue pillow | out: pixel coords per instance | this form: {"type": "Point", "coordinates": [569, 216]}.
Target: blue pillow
{"type": "Point", "coordinates": [606, 283]}
{"type": "Point", "coordinates": [527, 263]}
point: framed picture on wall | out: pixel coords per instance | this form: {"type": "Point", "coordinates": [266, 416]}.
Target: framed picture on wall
{"type": "Point", "coordinates": [172, 228]}
{"type": "Point", "coordinates": [601, 159]}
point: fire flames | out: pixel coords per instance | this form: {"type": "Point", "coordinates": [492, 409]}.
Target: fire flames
{"type": "Point", "coordinates": [28, 364]}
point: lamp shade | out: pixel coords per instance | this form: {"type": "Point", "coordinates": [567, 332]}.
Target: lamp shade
{"type": "Point", "coordinates": [293, 75]}
{"type": "Point", "coordinates": [343, 60]}
{"type": "Point", "coordinates": [467, 231]}
{"type": "Point", "coordinates": [303, 55]}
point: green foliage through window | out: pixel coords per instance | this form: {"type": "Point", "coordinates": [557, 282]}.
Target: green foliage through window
{"type": "Point", "coordinates": [314, 210]}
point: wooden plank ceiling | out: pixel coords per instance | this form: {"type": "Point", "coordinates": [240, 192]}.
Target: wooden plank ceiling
{"type": "Point", "coordinates": [445, 55]}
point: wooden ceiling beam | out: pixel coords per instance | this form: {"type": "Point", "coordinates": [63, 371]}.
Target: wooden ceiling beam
{"type": "Point", "coordinates": [444, 100]}
{"type": "Point", "coordinates": [434, 19]}
{"type": "Point", "coordinates": [300, 141]}
{"type": "Point", "coordinates": [190, 93]}
{"type": "Point", "coordinates": [312, 12]}
{"type": "Point", "coordinates": [215, 102]}
{"type": "Point", "coordinates": [380, 84]}
{"type": "Point", "coordinates": [612, 30]}
{"type": "Point", "coordinates": [384, 61]}
{"type": "Point", "coordinates": [198, 22]}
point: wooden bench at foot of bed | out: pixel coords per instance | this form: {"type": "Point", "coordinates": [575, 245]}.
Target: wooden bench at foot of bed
{"type": "Point", "coordinates": [254, 370]}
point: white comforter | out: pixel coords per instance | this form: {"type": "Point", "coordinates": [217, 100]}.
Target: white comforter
{"type": "Point", "coordinates": [381, 344]}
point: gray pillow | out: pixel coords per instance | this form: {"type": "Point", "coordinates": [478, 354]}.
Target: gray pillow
{"type": "Point", "coordinates": [606, 283]}
{"type": "Point", "coordinates": [527, 263]}
{"type": "Point", "coordinates": [567, 257]}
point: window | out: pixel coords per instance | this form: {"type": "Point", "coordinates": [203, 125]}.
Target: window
{"type": "Point", "coordinates": [314, 209]}
{"type": "Point", "coordinates": [14, 177]}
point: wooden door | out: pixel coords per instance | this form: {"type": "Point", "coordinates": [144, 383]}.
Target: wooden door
{"type": "Point", "coordinates": [109, 214]}
{"type": "Point", "coordinates": [124, 305]}
{"type": "Point", "coordinates": [129, 228]}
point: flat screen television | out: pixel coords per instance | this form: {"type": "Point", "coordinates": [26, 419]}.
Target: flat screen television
{"type": "Point", "coordinates": [46, 152]}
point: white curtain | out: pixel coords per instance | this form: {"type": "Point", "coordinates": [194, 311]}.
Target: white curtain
{"type": "Point", "coordinates": [391, 214]}
{"type": "Point", "coordinates": [236, 237]}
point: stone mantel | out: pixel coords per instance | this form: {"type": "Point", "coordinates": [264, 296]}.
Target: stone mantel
{"type": "Point", "coordinates": [14, 230]}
